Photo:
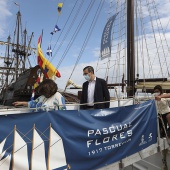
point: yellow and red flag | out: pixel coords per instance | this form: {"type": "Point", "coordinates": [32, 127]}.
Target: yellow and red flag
{"type": "Point", "coordinates": [48, 68]}
{"type": "Point", "coordinates": [60, 5]}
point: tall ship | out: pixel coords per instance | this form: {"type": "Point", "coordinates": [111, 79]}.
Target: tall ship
{"type": "Point", "coordinates": [17, 74]}
{"type": "Point", "coordinates": [133, 61]}
{"type": "Point", "coordinates": [136, 55]}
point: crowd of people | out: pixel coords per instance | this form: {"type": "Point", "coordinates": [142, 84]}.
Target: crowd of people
{"type": "Point", "coordinates": [95, 95]}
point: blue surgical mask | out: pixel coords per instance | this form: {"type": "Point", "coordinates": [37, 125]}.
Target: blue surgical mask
{"type": "Point", "coordinates": [87, 77]}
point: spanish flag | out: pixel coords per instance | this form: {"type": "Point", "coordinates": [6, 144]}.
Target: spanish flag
{"type": "Point", "coordinates": [60, 5]}
{"type": "Point", "coordinates": [48, 68]}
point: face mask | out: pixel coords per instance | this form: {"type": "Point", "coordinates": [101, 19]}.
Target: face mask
{"type": "Point", "coordinates": [156, 94]}
{"type": "Point", "coordinates": [87, 77]}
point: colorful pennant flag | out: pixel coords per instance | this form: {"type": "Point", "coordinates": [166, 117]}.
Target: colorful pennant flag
{"type": "Point", "coordinates": [60, 5]}
{"type": "Point", "coordinates": [48, 68]}
{"type": "Point", "coordinates": [49, 51]}
{"type": "Point", "coordinates": [55, 29]}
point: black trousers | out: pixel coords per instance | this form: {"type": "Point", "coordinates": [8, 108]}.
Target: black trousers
{"type": "Point", "coordinates": [163, 124]}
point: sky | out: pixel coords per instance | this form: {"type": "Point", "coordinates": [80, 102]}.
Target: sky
{"type": "Point", "coordinates": [42, 15]}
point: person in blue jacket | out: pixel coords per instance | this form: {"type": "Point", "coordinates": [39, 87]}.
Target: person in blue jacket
{"type": "Point", "coordinates": [50, 97]}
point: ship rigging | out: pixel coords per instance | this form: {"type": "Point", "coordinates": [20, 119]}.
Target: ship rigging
{"type": "Point", "coordinates": [15, 72]}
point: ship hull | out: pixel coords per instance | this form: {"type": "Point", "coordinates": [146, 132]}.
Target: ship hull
{"type": "Point", "coordinates": [21, 90]}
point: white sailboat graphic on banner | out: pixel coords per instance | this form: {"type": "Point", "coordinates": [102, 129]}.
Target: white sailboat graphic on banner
{"type": "Point", "coordinates": [20, 155]}
{"type": "Point", "coordinates": [4, 163]}
{"type": "Point", "coordinates": [57, 156]}
{"type": "Point", "coordinates": [18, 158]}
{"type": "Point", "coordinates": [1, 148]}
{"type": "Point", "coordinates": [38, 152]}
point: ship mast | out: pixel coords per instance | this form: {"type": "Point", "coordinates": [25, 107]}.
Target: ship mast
{"type": "Point", "coordinates": [15, 61]}
{"type": "Point", "coordinates": [20, 51]}
{"type": "Point", "coordinates": [130, 49]}
{"type": "Point", "coordinates": [17, 50]}
{"type": "Point", "coordinates": [7, 61]}
{"type": "Point", "coordinates": [24, 48]}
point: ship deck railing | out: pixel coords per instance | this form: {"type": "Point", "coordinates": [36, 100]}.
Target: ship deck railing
{"type": "Point", "coordinates": [133, 160]}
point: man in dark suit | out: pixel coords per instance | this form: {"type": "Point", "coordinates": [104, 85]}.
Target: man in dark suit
{"type": "Point", "coordinates": [94, 90]}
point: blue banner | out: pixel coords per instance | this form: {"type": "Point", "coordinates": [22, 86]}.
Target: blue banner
{"type": "Point", "coordinates": [77, 140]}
{"type": "Point", "coordinates": [106, 38]}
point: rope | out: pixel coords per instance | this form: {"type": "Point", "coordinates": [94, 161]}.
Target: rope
{"type": "Point", "coordinates": [74, 104]}
{"type": "Point", "coordinates": [68, 30]}
{"type": "Point", "coordinates": [156, 11]}
{"type": "Point", "coordinates": [76, 32]}
{"type": "Point", "coordinates": [88, 35]}
{"type": "Point", "coordinates": [149, 9]}
{"type": "Point", "coordinates": [108, 63]}
{"type": "Point", "coordinates": [56, 24]}
{"type": "Point", "coordinates": [118, 45]}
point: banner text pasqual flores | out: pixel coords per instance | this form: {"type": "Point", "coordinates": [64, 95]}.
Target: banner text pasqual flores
{"type": "Point", "coordinates": [99, 135]}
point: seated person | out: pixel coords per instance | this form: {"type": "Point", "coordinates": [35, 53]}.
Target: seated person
{"type": "Point", "coordinates": [49, 98]}
{"type": "Point", "coordinates": [163, 110]}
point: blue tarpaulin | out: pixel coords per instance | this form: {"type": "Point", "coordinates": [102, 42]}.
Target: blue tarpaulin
{"type": "Point", "coordinates": [91, 138]}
